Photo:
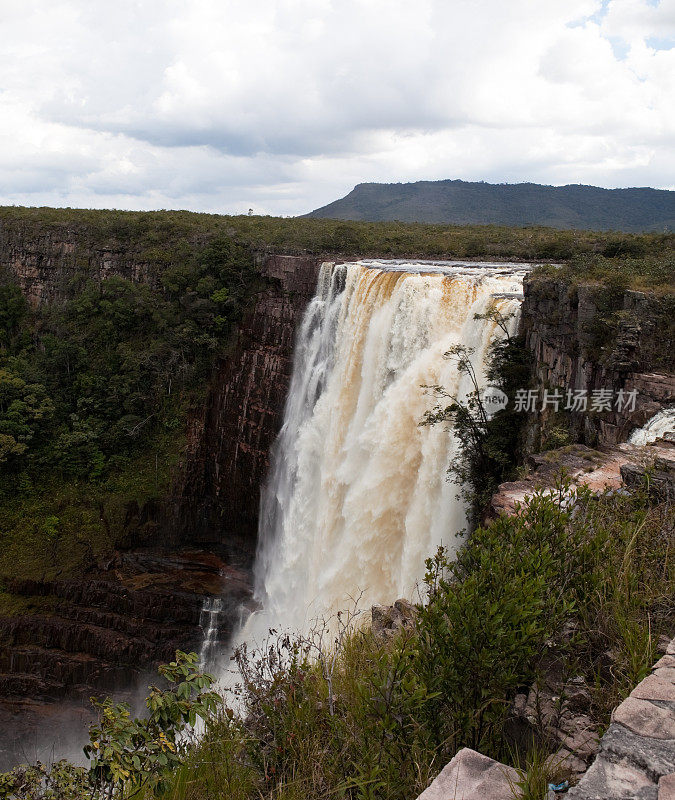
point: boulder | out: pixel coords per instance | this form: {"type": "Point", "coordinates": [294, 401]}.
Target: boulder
{"type": "Point", "coordinates": [667, 787]}
{"type": "Point", "coordinates": [387, 621]}
{"type": "Point", "coordinates": [472, 776]}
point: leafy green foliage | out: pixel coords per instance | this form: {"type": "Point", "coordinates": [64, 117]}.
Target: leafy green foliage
{"type": "Point", "coordinates": [61, 781]}
{"type": "Point", "coordinates": [24, 410]}
{"type": "Point", "coordinates": [127, 755]}
{"type": "Point", "coordinates": [489, 445]}
{"type": "Point", "coordinates": [488, 613]}
{"type": "Point", "coordinates": [13, 309]}
{"type": "Point", "coordinates": [95, 388]}
{"type": "Point", "coordinates": [113, 360]}
{"type": "Point", "coordinates": [163, 238]}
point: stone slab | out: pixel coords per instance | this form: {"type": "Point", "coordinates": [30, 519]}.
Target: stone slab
{"type": "Point", "coordinates": [665, 661]}
{"type": "Point", "coordinates": [655, 687]}
{"type": "Point", "coordinates": [472, 776]}
{"type": "Point", "coordinates": [607, 780]}
{"type": "Point", "coordinates": [655, 757]}
{"type": "Point", "coordinates": [646, 719]}
{"type": "Point", "coordinates": [667, 787]}
{"type": "Point", "coordinates": [666, 672]}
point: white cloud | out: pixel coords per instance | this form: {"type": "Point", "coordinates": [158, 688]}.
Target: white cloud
{"type": "Point", "coordinates": [284, 104]}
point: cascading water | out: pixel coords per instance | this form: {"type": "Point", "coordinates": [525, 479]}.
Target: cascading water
{"type": "Point", "coordinates": [661, 425]}
{"type": "Point", "coordinates": [358, 496]}
{"type": "Point", "coordinates": [209, 620]}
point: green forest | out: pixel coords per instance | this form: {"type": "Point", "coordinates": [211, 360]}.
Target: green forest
{"type": "Point", "coordinates": [94, 394]}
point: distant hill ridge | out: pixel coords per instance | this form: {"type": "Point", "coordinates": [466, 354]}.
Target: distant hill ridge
{"type": "Point", "coordinates": [463, 203]}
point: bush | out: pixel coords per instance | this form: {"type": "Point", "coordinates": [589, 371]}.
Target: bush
{"type": "Point", "coordinates": [488, 613]}
{"type": "Point", "coordinates": [489, 445]}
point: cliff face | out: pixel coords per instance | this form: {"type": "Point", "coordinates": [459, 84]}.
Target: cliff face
{"type": "Point", "coordinates": [228, 454]}
{"type": "Point", "coordinates": [45, 260]}
{"type": "Point", "coordinates": [593, 338]}
{"type": "Point", "coordinates": [100, 634]}
{"type": "Point", "coordinates": [215, 497]}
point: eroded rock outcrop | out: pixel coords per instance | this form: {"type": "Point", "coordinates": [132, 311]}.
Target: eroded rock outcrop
{"type": "Point", "coordinates": [387, 621]}
{"type": "Point", "coordinates": [611, 468]}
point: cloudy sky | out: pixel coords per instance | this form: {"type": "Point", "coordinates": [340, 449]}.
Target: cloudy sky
{"type": "Point", "coordinates": [284, 105]}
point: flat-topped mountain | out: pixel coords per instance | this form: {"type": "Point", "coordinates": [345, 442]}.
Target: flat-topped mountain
{"type": "Point", "coordinates": [476, 203]}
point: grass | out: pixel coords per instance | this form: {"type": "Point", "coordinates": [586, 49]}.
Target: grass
{"type": "Point", "coordinates": [649, 273]}
{"type": "Point", "coordinates": [535, 769]}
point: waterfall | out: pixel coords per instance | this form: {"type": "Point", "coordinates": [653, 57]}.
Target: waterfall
{"type": "Point", "coordinates": [357, 496]}
{"type": "Point", "coordinates": [209, 620]}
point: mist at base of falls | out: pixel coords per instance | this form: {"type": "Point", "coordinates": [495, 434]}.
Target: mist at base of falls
{"type": "Point", "coordinates": [358, 496]}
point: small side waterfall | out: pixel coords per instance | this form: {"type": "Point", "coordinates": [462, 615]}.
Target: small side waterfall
{"type": "Point", "coordinates": [661, 425]}
{"type": "Point", "coordinates": [357, 495]}
{"type": "Point", "coordinates": [209, 622]}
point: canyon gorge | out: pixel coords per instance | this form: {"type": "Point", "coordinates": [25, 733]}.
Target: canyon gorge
{"type": "Point", "coordinates": [365, 341]}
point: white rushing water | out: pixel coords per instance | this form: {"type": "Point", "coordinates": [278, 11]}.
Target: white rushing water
{"type": "Point", "coordinates": [659, 426]}
{"type": "Point", "coordinates": [357, 496]}
{"type": "Point", "coordinates": [209, 620]}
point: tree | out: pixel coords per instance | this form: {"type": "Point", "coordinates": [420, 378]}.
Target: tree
{"type": "Point", "coordinates": [24, 409]}
{"type": "Point", "coordinates": [488, 444]}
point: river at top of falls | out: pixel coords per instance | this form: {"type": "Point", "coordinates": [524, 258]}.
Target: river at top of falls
{"type": "Point", "coordinates": [358, 495]}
